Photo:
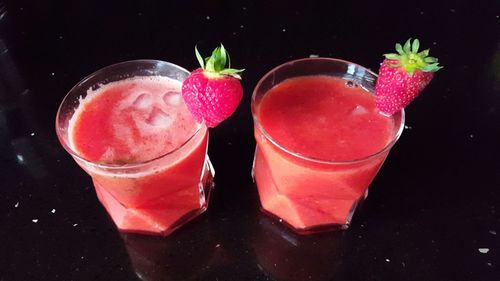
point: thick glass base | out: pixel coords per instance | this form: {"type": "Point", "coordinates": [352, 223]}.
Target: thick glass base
{"type": "Point", "coordinates": [319, 200]}
{"type": "Point", "coordinates": [319, 228]}
{"type": "Point", "coordinates": [167, 213]}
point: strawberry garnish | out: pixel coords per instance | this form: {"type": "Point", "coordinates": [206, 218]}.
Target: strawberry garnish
{"type": "Point", "coordinates": [213, 92]}
{"type": "Point", "coordinates": [403, 76]}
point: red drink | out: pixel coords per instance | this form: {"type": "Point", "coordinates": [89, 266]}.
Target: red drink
{"type": "Point", "coordinates": [320, 142]}
{"type": "Point", "coordinates": [144, 151]}
{"type": "Point", "coordinates": [138, 119]}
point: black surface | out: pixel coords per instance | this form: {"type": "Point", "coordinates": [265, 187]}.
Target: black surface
{"type": "Point", "coordinates": [430, 209]}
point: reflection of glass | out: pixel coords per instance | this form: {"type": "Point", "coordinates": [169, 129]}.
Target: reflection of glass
{"type": "Point", "coordinates": [313, 193]}
{"type": "Point", "coordinates": [286, 256]}
{"type": "Point", "coordinates": [11, 84]}
{"type": "Point", "coordinates": [186, 255]}
{"type": "Point", "coordinates": [18, 121]}
{"type": "Point", "coordinates": [3, 10]}
{"type": "Point", "coordinates": [128, 105]}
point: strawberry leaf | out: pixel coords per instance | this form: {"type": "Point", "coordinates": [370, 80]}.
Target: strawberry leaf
{"type": "Point", "coordinates": [219, 61]}
{"type": "Point", "coordinates": [409, 59]}
{"type": "Point", "coordinates": [399, 49]}
{"type": "Point", "coordinates": [392, 56]}
{"type": "Point", "coordinates": [424, 53]}
{"type": "Point", "coordinates": [430, 59]}
{"type": "Point", "coordinates": [432, 67]}
{"type": "Point", "coordinates": [415, 45]}
{"type": "Point", "coordinates": [200, 59]}
{"type": "Point", "coordinates": [407, 46]}
{"type": "Point", "coordinates": [216, 63]}
{"type": "Point", "coordinates": [223, 56]}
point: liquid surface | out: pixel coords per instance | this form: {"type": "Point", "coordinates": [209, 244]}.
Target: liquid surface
{"type": "Point", "coordinates": [324, 118]}
{"type": "Point", "coordinates": [131, 121]}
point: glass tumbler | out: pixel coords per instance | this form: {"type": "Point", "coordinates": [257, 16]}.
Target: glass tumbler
{"type": "Point", "coordinates": [156, 195]}
{"type": "Point", "coordinates": [311, 194]}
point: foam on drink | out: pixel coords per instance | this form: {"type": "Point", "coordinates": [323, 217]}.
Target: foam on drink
{"type": "Point", "coordinates": [131, 121]}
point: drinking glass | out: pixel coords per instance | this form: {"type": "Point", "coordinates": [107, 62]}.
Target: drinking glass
{"type": "Point", "coordinates": [155, 196]}
{"type": "Point", "coordinates": [306, 193]}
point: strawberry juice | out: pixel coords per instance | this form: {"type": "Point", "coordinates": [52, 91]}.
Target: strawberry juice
{"type": "Point", "coordinates": [320, 142]}
{"type": "Point", "coordinates": [144, 151]}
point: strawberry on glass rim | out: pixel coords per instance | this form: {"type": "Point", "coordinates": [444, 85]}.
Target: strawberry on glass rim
{"type": "Point", "coordinates": [403, 76]}
{"type": "Point", "coordinates": [213, 92]}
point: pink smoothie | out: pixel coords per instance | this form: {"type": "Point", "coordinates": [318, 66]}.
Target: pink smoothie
{"type": "Point", "coordinates": [323, 118]}
{"type": "Point", "coordinates": [132, 122]}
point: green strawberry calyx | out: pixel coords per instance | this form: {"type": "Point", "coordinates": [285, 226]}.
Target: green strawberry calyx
{"type": "Point", "coordinates": [215, 65]}
{"type": "Point", "coordinates": [410, 59]}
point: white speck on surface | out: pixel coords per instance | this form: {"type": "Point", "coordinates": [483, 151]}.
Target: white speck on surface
{"type": "Point", "coordinates": [387, 260]}
{"type": "Point", "coordinates": [208, 17]}
{"type": "Point", "coordinates": [53, 73]}
{"type": "Point", "coordinates": [284, 29]}
{"type": "Point", "coordinates": [20, 158]}
{"type": "Point", "coordinates": [32, 134]}
{"type": "Point", "coordinates": [243, 8]}
{"type": "Point", "coordinates": [241, 26]}
{"type": "Point", "coordinates": [452, 10]}
{"type": "Point", "coordinates": [471, 136]}
{"type": "Point", "coordinates": [281, 220]}
{"type": "Point", "coordinates": [488, 263]}
{"type": "Point", "coordinates": [492, 232]}
{"type": "Point", "coordinates": [313, 56]}
{"type": "Point", "coordinates": [34, 220]}
{"type": "Point", "coordinates": [421, 12]}
{"type": "Point", "coordinates": [483, 250]}
{"type": "Point", "coordinates": [217, 246]}
{"type": "Point", "coordinates": [74, 225]}
{"type": "Point", "coordinates": [498, 17]}
{"type": "Point", "coordinates": [434, 43]}
{"type": "Point", "coordinates": [82, 257]}
{"type": "Point", "coordinates": [53, 211]}
{"type": "Point", "coordinates": [16, 205]}
{"type": "Point", "coordinates": [403, 264]}
{"type": "Point", "coordinates": [408, 127]}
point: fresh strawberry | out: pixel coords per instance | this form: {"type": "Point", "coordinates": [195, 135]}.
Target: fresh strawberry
{"type": "Point", "coordinates": [213, 92]}
{"type": "Point", "coordinates": [403, 76]}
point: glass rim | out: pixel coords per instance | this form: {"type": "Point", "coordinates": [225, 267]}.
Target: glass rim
{"type": "Point", "coordinates": [309, 158]}
{"type": "Point", "coordinates": [105, 165]}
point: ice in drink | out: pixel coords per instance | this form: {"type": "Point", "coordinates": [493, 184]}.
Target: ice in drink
{"type": "Point", "coordinates": [143, 149]}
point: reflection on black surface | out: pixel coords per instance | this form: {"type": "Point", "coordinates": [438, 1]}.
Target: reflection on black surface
{"type": "Point", "coordinates": [11, 84]}
{"type": "Point", "coordinates": [184, 255]}
{"type": "Point", "coordinates": [286, 256]}
{"type": "Point", "coordinates": [17, 124]}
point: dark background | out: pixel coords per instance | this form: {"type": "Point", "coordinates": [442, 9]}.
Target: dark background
{"type": "Point", "coordinates": [434, 204]}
